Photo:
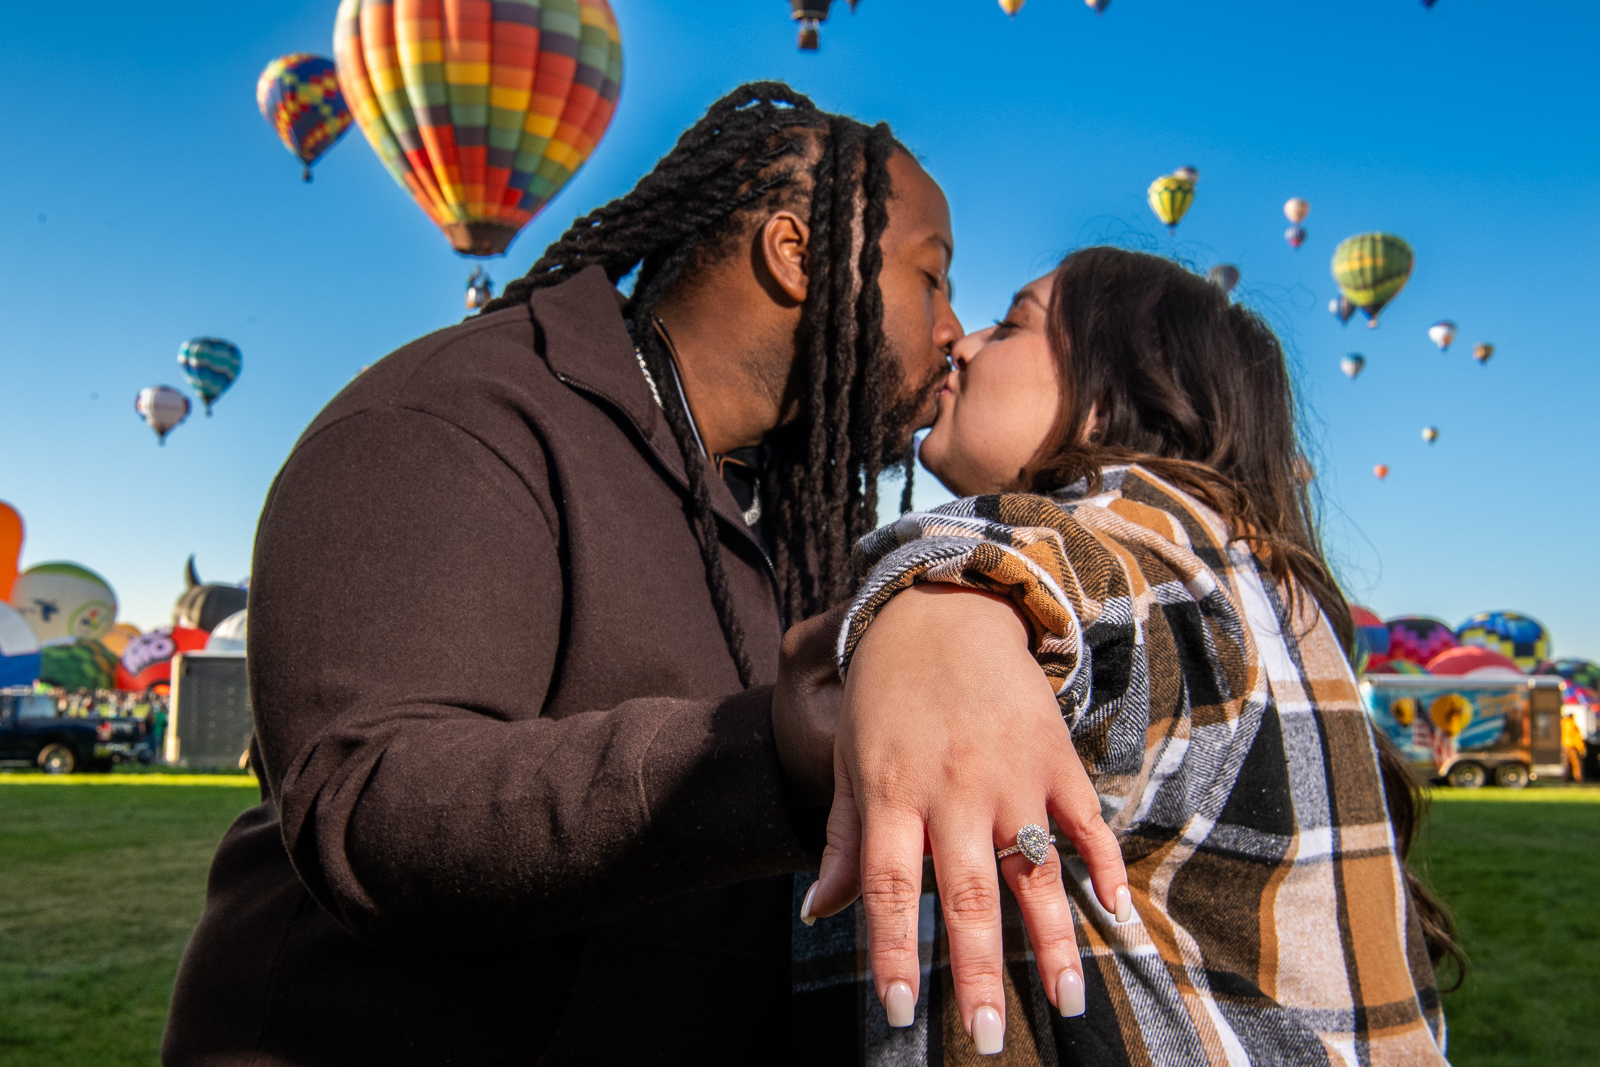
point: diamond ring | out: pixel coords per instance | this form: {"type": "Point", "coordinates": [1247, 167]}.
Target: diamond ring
{"type": "Point", "coordinates": [1033, 842]}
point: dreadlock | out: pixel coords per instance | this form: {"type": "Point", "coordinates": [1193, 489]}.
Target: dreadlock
{"type": "Point", "coordinates": [762, 147]}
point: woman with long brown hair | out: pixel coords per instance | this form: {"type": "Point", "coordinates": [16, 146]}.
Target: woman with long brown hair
{"type": "Point", "coordinates": [1134, 579]}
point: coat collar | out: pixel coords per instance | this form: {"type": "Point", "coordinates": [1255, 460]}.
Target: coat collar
{"type": "Point", "coordinates": [586, 344]}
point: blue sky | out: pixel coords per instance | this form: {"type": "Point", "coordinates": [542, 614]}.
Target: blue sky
{"type": "Point", "coordinates": [144, 201]}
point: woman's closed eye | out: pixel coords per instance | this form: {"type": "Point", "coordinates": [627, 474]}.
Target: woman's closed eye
{"type": "Point", "coordinates": [1005, 326]}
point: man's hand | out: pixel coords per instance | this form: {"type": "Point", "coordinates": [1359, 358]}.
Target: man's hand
{"type": "Point", "coordinates": [805, 704]}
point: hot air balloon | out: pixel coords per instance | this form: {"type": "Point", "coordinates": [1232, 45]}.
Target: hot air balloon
{"type": "Point", "coordinates": [1509, 633]}
{"type": "Point", "coordinates": [10, 547]}
{"type": "Point", "coordinates": [1224, 275]}
{"type": "Point", "coordinates": [1481, 353]}
{"type": "Point", "coordinates": [19, 649]}
{"type": "Point", "coordinates": [1011, 7]}
{"type": "Point", "coordinates": [1341, 309]}
{"type": "Point", "coordinates": [1381, 471]}
{"type": "Point", "coordinates": [211, 364]}
{"type": "Point", "coordinates": [1098, 5]}
{"type": "Point", "coordinates": [1171, 194]}
{"type": "Point", "coordinates": [1442, 333]}
{"type": "Point", "coordinates": [1430, 434]}
{"type": "Point", "coordinates": [1295, 210]}
{"type": "Point", "coordinates": [163, 407]}
{"type": "Point", "coordinates": [480, 289]}
{"type": "Point", "coordinates": [1370, 269]}
{"type": "Point", "coordinates": [1418, 638]}
{"type": "Point", "coordinates": [64, 600]}
{"type": "Point", "coordinates": [120, 636]}
{"type": "Point", "coordinates": [1352, 365]}
{"type": "Point", "coordinates": [79, 664]}
{"type": "Point", "coordinates": [482, 119]}
{"type": "Point", "coordinates": [204, 604]}
{"type": "Point", "coordinates": [299, 95]}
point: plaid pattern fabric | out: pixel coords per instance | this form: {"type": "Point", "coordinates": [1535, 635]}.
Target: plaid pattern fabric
{"type": "Point", "coordinates": [1234, 762]}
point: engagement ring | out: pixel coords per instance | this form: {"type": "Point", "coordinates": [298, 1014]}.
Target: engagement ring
{"type": "Point", "coordinates": [1033, 842]}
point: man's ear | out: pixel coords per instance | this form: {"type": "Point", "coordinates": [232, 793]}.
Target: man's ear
{"type": "Point", "coordinates": [784, 245]}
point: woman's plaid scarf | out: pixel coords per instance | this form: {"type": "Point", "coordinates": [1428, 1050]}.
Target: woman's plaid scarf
{"type": "Point", "coordinates": [1233, 760]}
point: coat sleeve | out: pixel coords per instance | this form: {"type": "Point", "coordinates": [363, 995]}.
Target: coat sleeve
{"type": "Point", "coordinates": [405, 623]}
{"type": "Point", "coordinates": [1138, 636]}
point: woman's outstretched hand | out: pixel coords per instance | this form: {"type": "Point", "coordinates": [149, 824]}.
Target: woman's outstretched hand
{"type": "Point", "coordinates": [950, 736]}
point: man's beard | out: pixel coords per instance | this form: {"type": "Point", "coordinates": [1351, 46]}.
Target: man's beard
{"type": "Point", "coordinates": [907, 410]}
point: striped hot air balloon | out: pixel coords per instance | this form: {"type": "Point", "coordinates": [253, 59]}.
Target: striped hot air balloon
{"type": "Point", "coordinates": [211, 364]}
{"type": "Point", "coordinates": [299, 95]}
{"type": "Point", "coordinates": [1170, 196]}
{"type": "Point", "coordinates": [481, 110]}
{"type": "Point", "coordinates": [1370, 269]}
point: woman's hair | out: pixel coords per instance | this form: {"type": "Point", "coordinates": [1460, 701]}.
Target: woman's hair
{"type": "Point", "coordinates": [1158, 367]}
{"type": "Point", "coordinates": [761, 148]}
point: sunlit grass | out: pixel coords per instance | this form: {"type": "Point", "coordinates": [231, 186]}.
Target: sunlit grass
{"type": "Point", "coordinates": [1521, 872]}
{"type": "Point", "coordinates": [102, 877]}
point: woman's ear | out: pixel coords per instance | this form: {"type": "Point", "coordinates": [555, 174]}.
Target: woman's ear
{"type": "Point", "coordinates": [783, 247]}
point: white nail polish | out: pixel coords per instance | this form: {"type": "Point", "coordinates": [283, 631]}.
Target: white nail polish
{"type": "Point", "coordinates": [1069, 993]}
{"type": "Point", "coordinates": [899, 1004]}
{"type": "Point", "coordinates": [988, 1031]}
{"type": "Point", "coordinates": [805, 905]}
{"type": "Point", "coordinates": [1124, 905]}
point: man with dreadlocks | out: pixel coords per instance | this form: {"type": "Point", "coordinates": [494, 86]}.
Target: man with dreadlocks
{"type": "Point", "coordinates": [542, 804]}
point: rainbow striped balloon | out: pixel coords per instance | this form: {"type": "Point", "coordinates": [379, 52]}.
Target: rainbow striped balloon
{"type": "Point", "coordinates": [299, 94]}
{"type": "Point", "coordinates": [481, 109]}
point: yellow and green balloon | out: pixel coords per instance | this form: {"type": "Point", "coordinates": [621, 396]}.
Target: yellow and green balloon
{"type": "Point", "coordinates": [1371, 268]}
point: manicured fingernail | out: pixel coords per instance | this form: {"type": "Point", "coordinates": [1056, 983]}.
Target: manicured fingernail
{"type": "Point", "coordinates": [805, 905]}
{"type": "Point", "coordinates": [1124, 905]}
{"type": "Point", "coordinates": [1069, 993]}
{"type": "Point", "coordinates": [899, 1004]}
{"type": "Point", "coordinates": [988, 1031]}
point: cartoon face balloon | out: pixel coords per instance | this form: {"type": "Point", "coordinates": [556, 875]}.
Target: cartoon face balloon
{"type": "Point", "coordinates": [62, 600]}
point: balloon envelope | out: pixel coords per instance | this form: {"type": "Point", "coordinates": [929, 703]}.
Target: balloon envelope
{"type": "Point", "coordinates": [1471, 660]}
{"type": "Point", "coordinates": [19, 649]}
{"type": "Point", "coordinates": [1296, 209]}
{"type": "Point", "coordinates": [1224, 275]}
{"type": "Point", "coordinates": [148, 661]}
{"type": "Point", "coordinates": [1381, 471]}
{"type": "Point", "coordinates": [229, 635]}
{"type": "Point", "coordinates": [1514, 635]}
{"type": "Point", "coordinates": [162, 407]}
{"type": "Point", "coordinates": [1430, 434]}
{"type": "Point", "coordinates": [1011, 7]}
{"type": "Point", "coordinates": [1481, 353]}
{"type": "Point", "coordinates": [299, 95]}
{"type": "Point", "coordinates": [1442, 333]}
{"type": "Point", "coordinates": [63, 600]}
{"type": "Point", "coordinates": [1418, 638]}
{"type": "Point", "coordinates": [1295, 235]}
{"type": "Point", "coordinates": [118, 639]}
{"type": "Point", "coordinates": [481, 119]}
{"type": "Point", "coordinates": [211, 365]}
{"type": "Point", "coordinates": [1371, 268]}
{"type": "Point", "coordinates": [77, 665]}
{"type": "Point", "coordinates": [1353, 364]}
{"type": "Point", "coordinates": [1170, 196]}
{"type": "Point", "coordinates": [1578, 671]}
{"type": "Point", "coordinates": [1341, 309]}
{"type": "Point", "coordinates": [10, 547]}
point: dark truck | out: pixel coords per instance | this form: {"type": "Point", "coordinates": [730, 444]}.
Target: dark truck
{"type": "Point", "coordinates": [30, 733]}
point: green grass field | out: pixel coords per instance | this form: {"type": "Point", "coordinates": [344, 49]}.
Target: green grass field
{"type": "Point", "coordinates": [102, 879]}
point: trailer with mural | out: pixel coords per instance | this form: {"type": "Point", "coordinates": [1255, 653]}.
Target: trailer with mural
{"type": "Point", "coordinates": [1470, 731]}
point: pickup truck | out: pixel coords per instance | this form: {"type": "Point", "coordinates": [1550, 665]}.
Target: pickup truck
{"type": "Point", "coordinates": [30, 733]}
